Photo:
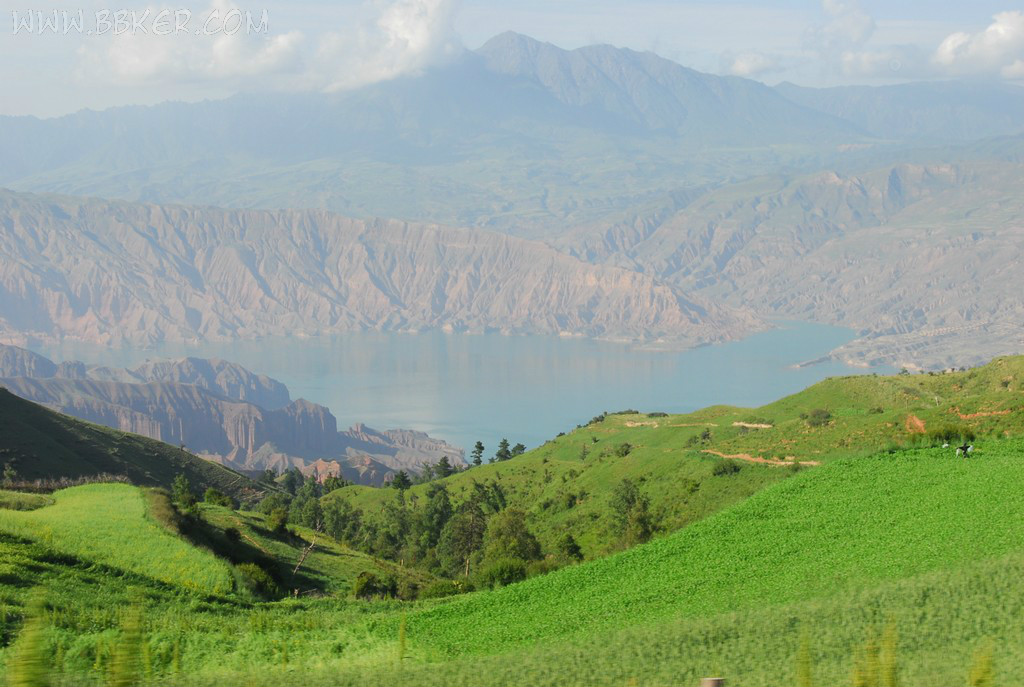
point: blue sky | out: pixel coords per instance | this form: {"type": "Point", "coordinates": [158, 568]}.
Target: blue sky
{"type": "Point", "coordinates": [314, 45]}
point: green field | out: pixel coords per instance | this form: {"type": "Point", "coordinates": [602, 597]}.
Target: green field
{"type": "Point", "coordinates": [107, 523]}
{"type": "Point", "coordinates": [889, 536]}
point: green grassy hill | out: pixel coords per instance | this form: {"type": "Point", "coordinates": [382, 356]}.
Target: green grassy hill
{"type": "Point", "coordinates": [566, 485]}
{"type": "Point", "coordinates": [848, 525]}
{"type": "Point", "coordinates": [41, 444]}
{"type": "Point", "coordinates": [108, 524]}
{"type": "Point", "coordinates": [886, 536]}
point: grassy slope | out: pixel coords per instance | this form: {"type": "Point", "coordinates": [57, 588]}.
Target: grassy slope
{"type": "Point", "coordinates": [330, 567]}
{"type": "Point", "coordinates": [846, 526]}
{"type": "Point", "coordinates": [44, 444]}
{"type": "Point", "coordinates": [108, 524]}
{"type": "Point", "coordinates": [678, 477]}
{"type": "Point", "coordinates": [919, 539]}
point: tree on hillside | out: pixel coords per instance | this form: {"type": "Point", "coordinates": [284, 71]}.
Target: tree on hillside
{"type": "Point", "coordinates": [181, 492]}
{"type": "Point", "coordinates": [341, 520]}
{"type": "Point", "coordinates": [631, 513]}
{"type": "Point", "coordinates": [401, 481]}
{"type": "Point", "coordinates": [436, 515]}
{"type": "Point", "coordinates": [507, 537]}
{"type": "Point", "coordinates": [305, 507]}
{"type": "Point", "coordinates": [503, 453]}
{"type": "Point", "coordinates": [518, 450]}
{"type": "Point", "coordinates": [461, 538]}
{"type": "Point", "coordinates": [443, 468]}
{"type": "Point", "coordinates": [391, 529]}
{"type": "Point", "coordinates": [268, 476]}
{"type": "Point", "coordinates": [293, 480]}
{"type": "Point", "coordinates": [333, 482]}
{"type": "Point", "coordinates": [478, 453]}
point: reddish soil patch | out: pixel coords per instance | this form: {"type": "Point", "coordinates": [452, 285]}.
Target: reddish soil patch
{"type": "Point", "coordinates": [758, 459]}
{"type": "Point", "coordinates": [971, 416]}
{"type": "Point", "coordinates": [914, 424]}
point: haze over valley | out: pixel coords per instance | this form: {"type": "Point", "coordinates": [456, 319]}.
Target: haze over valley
{"type": "Point", "coordinates": [399, 343]}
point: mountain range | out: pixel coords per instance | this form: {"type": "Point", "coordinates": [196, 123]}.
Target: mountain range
{"type": "Point", "coordinates": [212, 408]}
{"type": "Point", "coordinates": [596, 192]}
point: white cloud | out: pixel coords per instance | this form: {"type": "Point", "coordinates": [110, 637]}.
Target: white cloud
{"type": "Point", "coordinates": [997, 49]}
{"type": "Point", "coordinates": [847, 27]}
{"type": "Point", "coordinates": [216, 54]}
{"type": "Point", "coordinates": [402, 36]}
{"type": "Point", "coordinates": [749, 64]}
{"type": "Point", "coordinates": [408, 36]}
{"type": "Point", "coordinates": [1014, 71]}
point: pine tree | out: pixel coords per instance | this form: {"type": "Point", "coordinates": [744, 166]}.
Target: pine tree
{"type": "Point", "coordinates": [503, 453]}
{"type": "Point", "coordinates": [478, 453]}
{"type": "Point", "coordinates": [444, 468]}
{"type": "Point", "coordinates": [401, 481]}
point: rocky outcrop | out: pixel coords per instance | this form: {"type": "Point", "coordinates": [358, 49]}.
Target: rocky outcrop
{"type": "Point", "coordinates": [112, 273]}
{"type": "Point", "coordinates": [232, 431]}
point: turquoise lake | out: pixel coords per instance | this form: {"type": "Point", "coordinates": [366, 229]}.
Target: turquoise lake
{"type": "Point", "coordinates": [463, 388]}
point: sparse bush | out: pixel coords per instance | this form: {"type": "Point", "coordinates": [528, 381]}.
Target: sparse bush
{"type": "Point", "coordinates": [407, 590]}
{"type": "Point", "coordinates": [441, 589]}
{"type": "Point", "coordinates": [277, 521]}
{"type": "Point", "coordinates": [216, 497]}
{"type": "Point", "coordinates": [725, 467]}
{"type": "Point", "coordinates": [541, 567]}
{"type": "Point", "coordinates": [501, 573]}
{"type": "Point", "coordinates": [258, 581]}
{"type": "Point", "coordinates": [657, 414]}
{"type": "Point", "coordinates": [949, 434]}
{"type": "Point", "coordinates": [233, 535]}
{"type": "Point", "coordinates": [369, 586]}
{"type": "Point", "coordinates": [623, 449]}
{"type": "Point", "coordinates": [819, 417]}
{"type": "Point", "coordinates": [568, 548]}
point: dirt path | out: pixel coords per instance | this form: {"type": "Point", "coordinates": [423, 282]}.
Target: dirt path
{"type": "Point", "coordinates": [249, 539]}
{"type": "Point", "coordinates": [914, 424]}
{"type": "Point", "coordinates": [972, 416]}
{"type": "Point", "coordinates": [697, 424]}
{"type": "Point", "coordinates": [751, 425]}
{"type": "Point", "coordinates": [758, 459]}
{"type": "Point", "coordinates": [631, 423]}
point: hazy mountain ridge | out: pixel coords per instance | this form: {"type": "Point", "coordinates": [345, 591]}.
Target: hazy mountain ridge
{"type": "Point", "coordinates": [521, 136]}
{"type": "Point", "coordinates": [921, 259]}
{"type": "Point", "coordinates": [935, 111]}
{"type": "Point", "coordinates": [239, 434]}
{"type": "Point", "coordinates": [116, 272]}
